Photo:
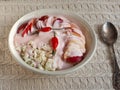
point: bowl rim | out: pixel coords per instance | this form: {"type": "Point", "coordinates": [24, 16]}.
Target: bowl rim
{"type": "Point", "coordinates": [66, 71]}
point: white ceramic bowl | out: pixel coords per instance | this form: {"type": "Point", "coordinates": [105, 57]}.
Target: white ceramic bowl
{"type": "Point", "coordinates": [87, 31]}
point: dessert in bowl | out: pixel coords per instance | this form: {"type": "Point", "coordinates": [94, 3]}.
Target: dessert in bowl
{"type": "Point", "coordinates": [52, 42]}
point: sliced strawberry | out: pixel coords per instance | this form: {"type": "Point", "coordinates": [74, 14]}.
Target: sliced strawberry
{"type": "Point", "coordinates": [27, 28]}
{"type": "Point", "coordinates": [57, 19]}
{"type": "Point", "coordinates": [30, 24]}
{"type": "Point", "coordinates": [21, 27]}
{"type": "Point", "coordinates": [43, 18]}
{"type": "Point", "coordinates": [60, 20]}
{"type": "Point", "coordinates": [45, 29]}
{"type": "Point", "coordinates": [74, 59]}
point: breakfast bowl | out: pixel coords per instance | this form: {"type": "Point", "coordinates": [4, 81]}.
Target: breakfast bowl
{"type": "Point", "coordinates": [42, 33]}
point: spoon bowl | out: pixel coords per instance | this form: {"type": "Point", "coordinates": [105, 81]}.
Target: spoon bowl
{"type": "Point", "coordinates": [109, 33]}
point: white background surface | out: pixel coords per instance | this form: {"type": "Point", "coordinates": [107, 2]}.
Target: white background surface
{"type": "Point", "coordinates": [96, 75]}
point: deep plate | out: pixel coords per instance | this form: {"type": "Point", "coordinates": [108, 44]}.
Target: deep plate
{"type": "Point", "coordinates": [86, 29]}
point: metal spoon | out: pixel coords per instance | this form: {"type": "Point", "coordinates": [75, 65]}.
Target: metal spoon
{"type": "Point", "coordinates": [109, 35]}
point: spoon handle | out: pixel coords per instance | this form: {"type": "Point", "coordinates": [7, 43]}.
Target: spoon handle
{"type": "Point", "coordinates": [116, 70]}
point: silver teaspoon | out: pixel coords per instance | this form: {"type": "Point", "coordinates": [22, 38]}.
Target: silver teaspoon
{"type": "Point", "coordinates": [109, 35]}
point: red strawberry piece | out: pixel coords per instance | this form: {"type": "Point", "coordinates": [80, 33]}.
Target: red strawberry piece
{"type": "Point", "coordinates": [54, 42]}
{"type": "Point", "coordinates": [57, 19]}
{"type": "Point", "coordinates": [27, 28]}
{"type": "Point", "coordinates": [74, 59]}
{"type": "Point", "coordinates": [45, 29]}
{"type": "Point", "coordinates": [60, 20]}
{"type": "Point", "coordinates": [43, 18]}
{"type": "Point", "coordinates": [30, 24]}
{"type": "Point", "coordinates": [21, 27]}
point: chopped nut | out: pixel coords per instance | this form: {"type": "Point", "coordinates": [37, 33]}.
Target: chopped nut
{"type": "Point", "coordinates": [18, 49]}
{"type": "Point", "coordinates": [49, 65]}
{"type": "Point", "coordinates": [40, 67]}
{"type": "Point", "coordinates": [29, 62]}
{"type": "Point", "coordinates": [23, 48]}
{"type": "Point", "coordinates": [40, 55]}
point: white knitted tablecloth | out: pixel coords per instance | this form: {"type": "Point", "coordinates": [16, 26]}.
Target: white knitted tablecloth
{"type": "Point", "coordinates": [96, 75]}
